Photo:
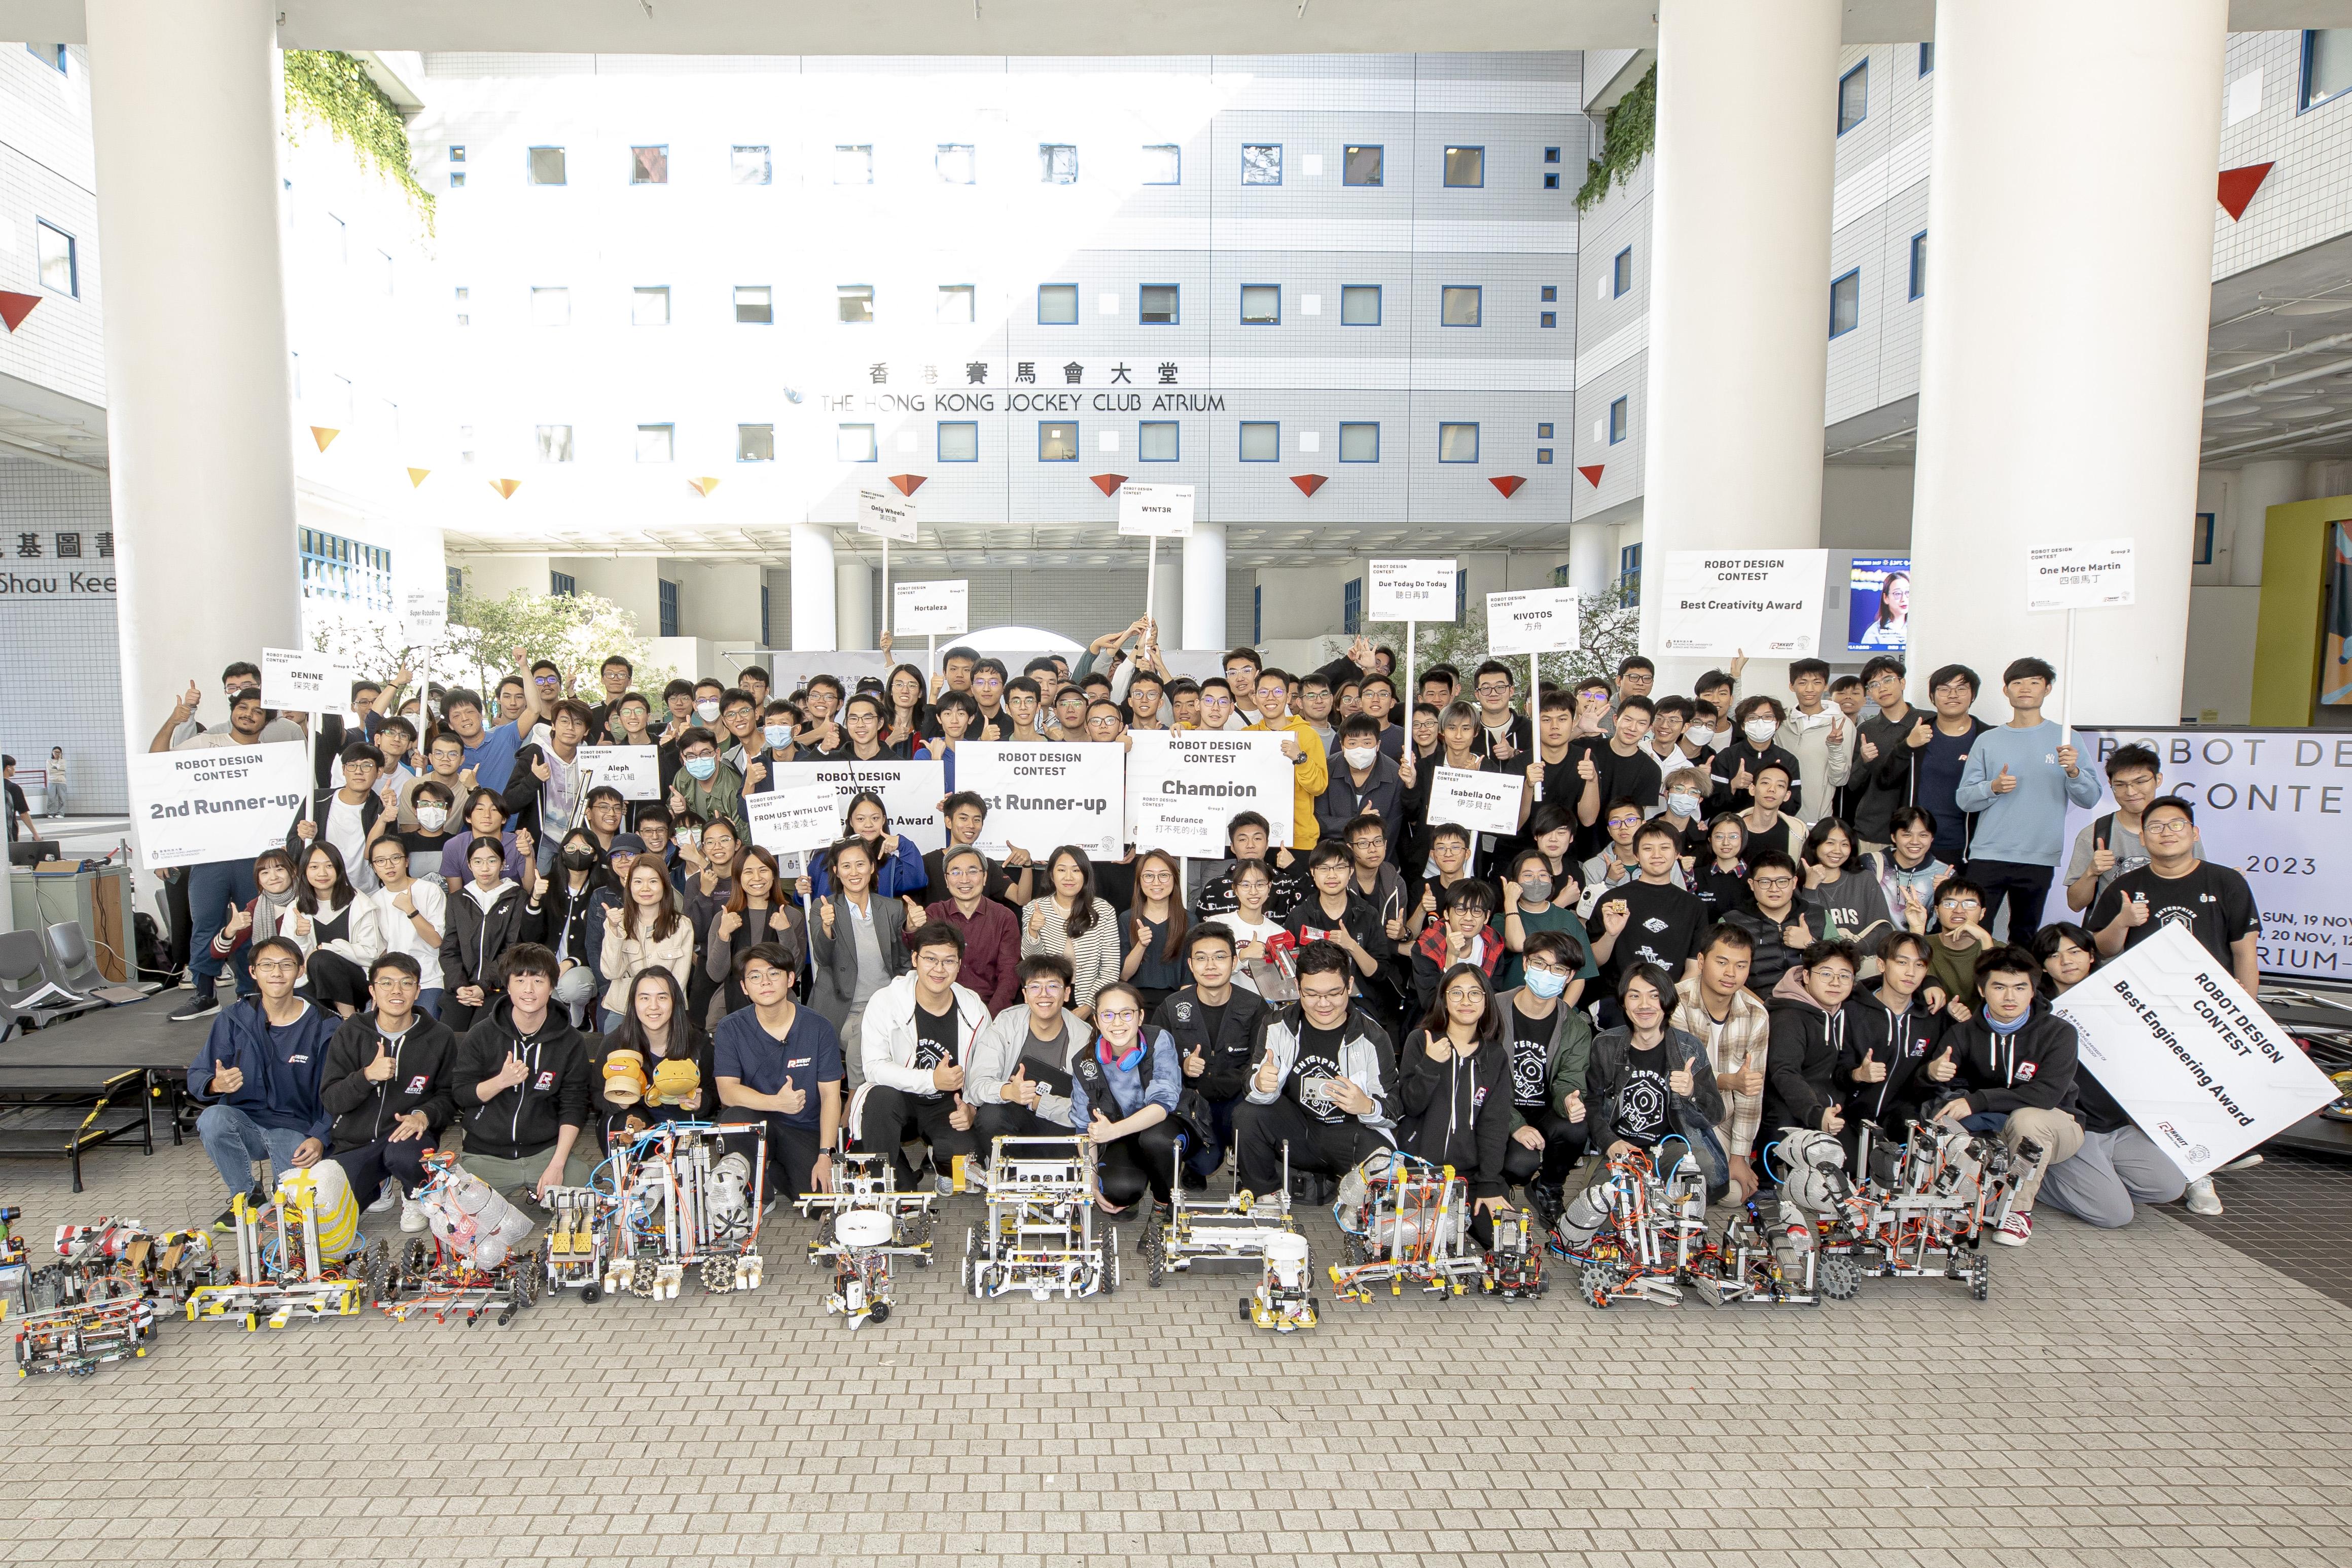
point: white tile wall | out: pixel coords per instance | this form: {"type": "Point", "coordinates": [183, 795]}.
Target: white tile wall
{"type": "Point", "coordinates": [60, 659]}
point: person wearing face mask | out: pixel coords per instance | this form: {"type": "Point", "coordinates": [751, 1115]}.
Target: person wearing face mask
{"type": "Point", "coordinates": [444, 761]}
{"type": "Point", "coordinates": [566, 906]}
{"type": "Point", "coordinates": [1683, 803]}
{"type": "Point", "coordinates": [1531, 909]}
{"type": "Point", "coordinates": [1736, 765]}
{"type": "Point", "coordinates": [1365, 780]}
{"type": "Point", "coordinates": [1700, 734]}
{"type": "Point", "coordinates": [430, 803]}
{"type": "Point", "coordinates": [705, 785]}
{"type": "Point", "coordinates": [1550, 1047]}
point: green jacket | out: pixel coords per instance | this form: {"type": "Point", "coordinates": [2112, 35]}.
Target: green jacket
{"type": "Point", "coordinates": [722, 796]}
{"type": "Point", "coordinates": [1570, 1054]}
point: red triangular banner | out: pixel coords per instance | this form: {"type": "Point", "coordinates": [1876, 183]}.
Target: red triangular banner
{"type": "Point", "coordinates": [1507, 483]}
{"type": "Point", "coordinates": [14, 308]}
{"type": "Point", "coordinates": [2237, 187]}
{"type": "Point", "coordinates": [909, 483]}
{"type": "Point", "coordinates": [1309, 483]}
{"type": "Point", "coordinates": [1108, 483]}
{"type": "Point", "coordinates": [1592, 472]}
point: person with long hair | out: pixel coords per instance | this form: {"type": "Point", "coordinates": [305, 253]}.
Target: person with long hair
{"type": "Point", "coordinates": [336, 929]}
{"type": "Point", "coordinates": [856, 948]}
{"type": "Point", "coordinates": [269, 912]}
{"type": "Point", "coordinates": [1454, 1085]}
{"type": "Point", "coordinates": [907, 711]}
{"type": "Point", "coordinates": [899, 865]}
{"type": "Point", "coordinates": [757, 911]}
{"type": "Point", "coordinates": [488, 918]}
{"type": "Point", "coordinates": [564, 901]}
{"type": "Point", "coordinates": [1837, 884]}
{"type": "Point", "coordinates": [1891, 627]}
{"type": "Point", "coordinates": [657, 1025]}
{"type": "Point", "coordinates": [1650, 1084]}
{"type": "Point", "coordinates": [646, 929]}
{"type": "Point", "coordinates": [1071, 922]}
{"type": "Point", "coordinates": [1123, 1095]}
{"type": "Point", "coordinates": [1155, 951]}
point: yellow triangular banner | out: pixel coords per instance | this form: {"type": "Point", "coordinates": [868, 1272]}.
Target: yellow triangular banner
{"type": "Point", "coordinates": [704, 485]}
{"type": "Point", "coordinates": [505, 488]}
{"type": "Point", "coordinates": [324, 436]}
{"type": "Point", "coordinates": [417, 476]}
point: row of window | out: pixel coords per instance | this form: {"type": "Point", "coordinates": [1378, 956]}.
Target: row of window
{"type": "Point", "coordinates": [1845, 290]}
{"type": "Point", "coordinates": [956, 304]}
{"type": "Point", "coordinates": [1156, 441]}
{"type": "Point", "coordinates": [334, 567]}
{"type": "Point", "coordinates": [1361, 164]}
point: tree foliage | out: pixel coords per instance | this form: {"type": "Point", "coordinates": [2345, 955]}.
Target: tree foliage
{"type": "Point", "coordinates": [578, 631]}
{"type": "Point", "coordinates": [1610, 631]}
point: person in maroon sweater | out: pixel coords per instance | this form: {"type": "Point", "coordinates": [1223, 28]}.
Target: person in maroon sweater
{"type": "Point", "coordinates": [991, 932]}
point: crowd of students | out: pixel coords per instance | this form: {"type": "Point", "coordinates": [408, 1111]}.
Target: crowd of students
{"type": "Point", "coordinates": [1721, 915]}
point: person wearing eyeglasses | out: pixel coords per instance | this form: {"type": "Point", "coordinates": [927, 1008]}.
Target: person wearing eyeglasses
{"type": "Point", "coordinates": [1780, 926]}
{"type": "Point", "coordinates": [1504, 732]}
{"type": "Point", "coordinates": [385, 1082]}
{"type": "Point", "coordinates": [2212, 902]}
{"type": "Point", "coordinates": [1124, 1092]}
{"type": "Point", "coordinates": [1960, 941]}
{"type": "Point", "coordinates": [1019, 1076]}
{"type": "Point", "coordinates": [258, 1077]}
{"type": "Point", "coordinates": [915, 1044]}
{"type": "Point", "coordinates": [1453, 1085]}
{"type": "Point", "coordinates": [1322, 1082]}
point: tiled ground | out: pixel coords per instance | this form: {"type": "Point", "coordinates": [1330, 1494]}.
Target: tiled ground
{"type": "Point", "coordinates": [2134, 1398]}
{"type": "Point", "coordinates": [2294, 1211]}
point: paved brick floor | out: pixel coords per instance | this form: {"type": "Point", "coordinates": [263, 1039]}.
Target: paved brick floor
{"type": "Point", "coordinates": [2142, 1396]}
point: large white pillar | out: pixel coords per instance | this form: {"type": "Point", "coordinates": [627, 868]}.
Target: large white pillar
{"type": "Point", "coordinates": [813, 588]}
{"type": "Point", "coordinates": [1592, 559]}
{"type": "Point", "coordinates": [1168, 596]}
{"type": "Point", "coordinates": [853, 603]}
{"type": "Point", "coordinates": [2062, 385]}
{"type": "Point", "coordinates": [1204, 588]}
{"type": "Point", "coordinates": [2274, 481]}
{"type": "Point", "coordinates": [1739, 281]}
{"type": "Point", "coordinates": [185, 104]}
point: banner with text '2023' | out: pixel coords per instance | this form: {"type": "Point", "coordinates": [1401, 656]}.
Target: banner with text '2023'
{"type": "Point", "coordinates": [2272, 804]}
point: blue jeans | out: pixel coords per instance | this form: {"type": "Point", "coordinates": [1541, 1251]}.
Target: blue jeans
{"type": "Point", "coordinates": [430, 1000]}
{"type": "Point", "coordinates": [212, 888]}
{"type": "Point", "coordinates": [235, 1141]}
{"type": "Point", "coordinates": [1205, 1160]}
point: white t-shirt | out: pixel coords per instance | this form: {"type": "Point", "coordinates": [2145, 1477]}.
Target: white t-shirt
{"type": "Point", "coordinates": [400, 933]}
{"type": "Point", "coordinates": [1244, 931]}
{"type": "Point", "coordinates": [347, 831]}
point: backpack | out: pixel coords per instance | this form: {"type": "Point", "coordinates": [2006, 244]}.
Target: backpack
{"type": "Point", "coordinates": [147, 942]}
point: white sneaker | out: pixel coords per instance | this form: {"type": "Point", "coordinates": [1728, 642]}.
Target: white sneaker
{"type": "Point", "coordinates": [2202, 1198]}
{"type": "Point", "coordinates": [2016, 1230]}
{"type": "Point", "coordinates": [2243, 1163]}
{"type": "Point", "coordinates": [383, 1199]}
{"type": "Point", "coordinates": [411, 1217]}
{"type": "Point", "coordinates": [945, 1186]}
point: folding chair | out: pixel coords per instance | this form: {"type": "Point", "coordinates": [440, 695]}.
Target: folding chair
{"type": "Point", "coordinates": [27, 994]}
{"type": "Point", "coordinates": [72, 968]}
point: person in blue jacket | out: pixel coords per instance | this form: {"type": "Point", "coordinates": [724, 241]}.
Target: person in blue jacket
{"type": "Point", "coordinates": [258, 1077]}
{"type": "Point", "coordinates": [897, 864]}
{"type": "Point", "coordinates": [1123, 1092]}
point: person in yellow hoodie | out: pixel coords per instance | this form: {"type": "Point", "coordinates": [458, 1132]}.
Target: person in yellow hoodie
{"type": "Point", "coordinates": [1310, 769]}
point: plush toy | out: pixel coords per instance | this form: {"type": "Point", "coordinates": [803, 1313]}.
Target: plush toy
{"type": "Point", "coordinates": [675, 1078]}
{"type": "Point", "coordinates": [624, 1078]}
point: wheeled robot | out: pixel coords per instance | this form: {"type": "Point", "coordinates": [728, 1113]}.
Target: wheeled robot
{"type": "Point", "coordinates": [1229, 1235]}
{"type": "Point", "coordinates": [1514, 1264]}
{"type": "Point", "coordinates": [868, 1183]}
{"type": "Point", "coordinates": [1285, 1298]}
{"type": "Point", "coordinates": [474, 1260]}
{"type": "Point", "coordinates": [300, 1255]}
{"type": "Point", "coordinates": [577, 1226]}
{"type": "Point", "coordinates": [1404, 1220]}
{"type": "Point", "coordinates": [115, 1260]}
{"type": "Point", "coordinates": [1039, 1235]}
{"type": "Point", "coordinates": [1635, 1235]}
{"type": "Point", "coordinates": [1778, 1261]}
{"type": "Point", "coordinates": [683, 1201]}
{"type": "Point", "coordinates": [1925, 1204]}
{"type": "Point", "coordinates": [861, 1248]}
{"type": "Point", "coordinates": [77, 1341]}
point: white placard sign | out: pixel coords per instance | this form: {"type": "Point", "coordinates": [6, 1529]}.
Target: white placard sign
{"type": "Point", "coordinates": [299, 680]}
{"type": "Point", "coordinates": [1155, 512]}
{"type": "Point", "coordinates": [2199, 1065]}
{"type": "Point", "coordinates": [911, 793]}
{"type": "Point", "coordinates": [1041, 795]}
{"type": "Point", "coordinates": [2090, 575]}
{"type": "Point", "coordinates": [1476, 799]}
{"type": "Point", "coordinates": [426, 614]}
{"type": "Point", "coordinates": [1184, 785]}
{"type": "Point", "coordinates": [1759, 602]}
{"type": "Point", "coordinates": [930, 609]}
{"type": "Point", "coordinates": [792, 821]}
{"type": "Point", "coordinates": [634, 771]}
{"type": "Point", "coordinates": [1532, 620]}
{"type": "Point", "coordinates": [886, 513]}
{"type": "Point", "coordinates": [1411, 591]}
{"type": "Point", "coordinates": [227, 803]}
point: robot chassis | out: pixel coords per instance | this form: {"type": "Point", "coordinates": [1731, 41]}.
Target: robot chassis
{"type": "Point", "coordinates": [1244, 1233]}
{"type": "Point", "coordinates": [680, 1201]}
{"type": "Point", "coordinates": [1924, 1204]}
{"type": "Point", "coordinates": [279, 1274]}
{"type": "Point", "coordinates": [872, 1222]}
{"type": "Point", "coordinates": [1636, 1236]}
{"type": "Point", "coordinates": [1039, 1235]}
{"type": "Point", "coordinates": [76, 1341]}
{"type": "Point", "coordinates": [473, 1262]}
{"type": "Point", "coordinates": [117, 1260]}
{"type": "Point", "coordinates": [1404, 1220]}
{"type": "Point", "coordinates": [1782, 1262]}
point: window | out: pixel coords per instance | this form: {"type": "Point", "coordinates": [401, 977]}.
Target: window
{"type": "Point", "coordinates": [766, 640]}
{"type": "Point", "coordinates": [50, 55]}
{"type": "Point", "coordinates": [649, 165]}
{"type": "Point", "coordinates": [1158, 440]}
{"type": "Point", "coordinates": [1359, 305]}
{"type": "Point", "coordinates": [551, 307]}
{"type": "Point", "coordinates": [1359, 165]}
{"type": "Point", "coordinates": [457, 153]}
{"type": "Point", "coordinates": [1261, 163]}
{"type": "Point", "coordinates": [754, 306]}
{"type": "Point", "coordinates": [1261, 304]}
{"type": "Point", "coordinates": [657, 442]}
{"type": "Point", "coordinates": [464, 306]}
{"type": "Point", "coordinates": [560, 584]}
{"type": "Point", "coordinates": [1927, 59]}
{"type": "Point", "coordinates": [750, 167]}
{"type": "Point", "coordinates": [1543, 455]}
{"type": "Point", "coordinates": [1621, 273]}
{"type": "Point", "coordinates": [1461, 594]}
{"type": "Point", "coordinates": [1549, 293]}
{"type": "Point", "coordinates": [855, 444]}
{"type": "Point", "coordinates": [1629, 576]}
{"type": "Point", "coordinates": [1057, 441]}
{"type": "Point", "coordinates": [1619, 417]}
{"type": "Point", "coordinates": [457, 177]}
{"type": "Point", "coordinates": [854, 164]}
{"type": "Point", "coordinates": [1057, 304]}
{"type": "Point", "coordinates": [1462, 305]}
{"type": "Point", "coordinates": [454, 581]}
{"type": "Point", "coordinates": [1920, 265]}
{"type": "Point", "coordinates": [60, 268]}
{"type": "Point", "coordinates": [2201, 547]}
{"type": "Point", "coordinates": [1854, 97]}
{"type": "Point", "coordinates": [547, 166]}
{"type": "Point", "coordinates": [1157, 304]}
{"type": "Point", "coordinates": [668, 590]}
{"type": "Point", "coordinates": [649, 307]}
{"type": "Point", "coordinates": [755, 443]}
{"type": "Point", "coordinates": [1548, 318]}
{"type": "Point", "coordinates": [1163, 165]}
{"type": "Point", "coordinates": [1257, 613]}
{"type": "Point", "coordinates": [343, 569]}
{"type": "Point", "coordinates": [2327, 64]}
{"type": "Point", "coordinates": [1351, 606]}
{"type": "Point", "coordinates": [955, 304]}
{"type": "Point", "coordinates": [958, 441]}
{"type": "Point", "coordinates": [1457, 443]}
{"type": "Point", "coordinates": [1359, 442]}
{"type": "Point", "coordinates": [1560, 577]}
{"type": "Point", "coordinates": [1845, 303]}
{"type": "Point", "coordinates": [1465, 167]}
{"type": "Point", "coordinates": [383, 268]}
{"type": "Point", "coordinates": [1261, 441]}
{"type": "Point", "coordinates": [855, 303]}
{"type": "Point", "coordinates": [555, 443]}
{"type": "Point", "coordinates": [1057, 163]}
{"type": "Point", "coordinates": [1543, 432]}
{"type": "Point", "coordinates": [955, 163]}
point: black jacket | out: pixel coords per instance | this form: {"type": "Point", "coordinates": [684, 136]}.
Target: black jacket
{"type": "Point", "coordinates": [476, 941]}
{"type": "Point", "coordinates": [1906, 1044]}
{"type": "Point", "coordinates": [1800, 1066]}
{"type": "Point", "coordinates": [522, 1121]}
{"type": "Point", "coordinates": [1773, 956]}
{"type": "Point", "coordinates": [1343, 802]}
{"type": "Point", "coordinates": [1604, 1081]}
{"type": "Point", "coordinates": [1227, 1051]}
{"type": "Point", "coordinates": [611, 1118]}
{"type": "Point", "coordinates": [363, 1110]}
{"type": "Point", "coordinates": [1726, 767]}
{"type": "Point", "coordinates": [1458, 1113]}
{"type": "Point", "coordinates": [2032, 1069]}
{"type": "Point", "coordinates": [321, 804]}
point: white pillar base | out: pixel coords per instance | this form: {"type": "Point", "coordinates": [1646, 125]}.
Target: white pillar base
{"type": "Point", "coordinates": [813, 588]}
{"type": "Point", "coordinates": [1204, 589]}
{"type": "Point", "coordinates": [2260, 486]}
{"type": "Point", "coordinates": [853, 603]}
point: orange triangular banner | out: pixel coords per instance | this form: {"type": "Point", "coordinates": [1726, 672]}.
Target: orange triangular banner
{"type": "Point", "coordinates": [1108, 483]}
{"type": "Point", "coordinates": [1507, 483]}
{"type": "Point", "coordinates": [909, 483]}
{"type": "Point", "coordinates": [324, 434]}
{"type": "Point", "coordinates": [1309, 483]}
{"type": "Point", "coordinates": [505, 488]}
{"type": "Point", "coordinates": [417, 476]}
{"type": "Point", "coordinates": [1592, 472]}
{"type": "Point", "coordinates": [2236, 188]}
{"type": "Point", "coordinates": [703, 486]}
{"type": "Point", "coordinates": [14, 308]}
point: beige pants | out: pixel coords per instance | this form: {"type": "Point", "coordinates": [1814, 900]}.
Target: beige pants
{"type": "Point", "coordinates": [2061, 1137]}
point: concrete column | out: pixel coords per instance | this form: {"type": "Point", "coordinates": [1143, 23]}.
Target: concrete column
{"type": "Point", "coordinates": [185, 102]}
{"type": "Point", "coordinates": [1204, 589]}
{"type": "Point", "coordinates": [813, 588]}
{"type": "Point", "coordinates": [1168, 599]}
{"type": "Point", "coordinates": [2260, 486]}
{"type": "Point", "coordinates": [2068, 409]}
{"type": "Point", "coordinates": [1739, 285]}
{"type": "Point", "coordinates": [853, 603]}
{"type": "Point", "coordinates": [1591, 558]}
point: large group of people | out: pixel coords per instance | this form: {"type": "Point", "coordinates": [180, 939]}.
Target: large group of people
{"type": "Point", "coordinates": [1721, 915]}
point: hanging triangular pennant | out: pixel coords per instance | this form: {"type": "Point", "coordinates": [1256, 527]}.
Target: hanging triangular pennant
{"type": "Point", "coordinates": [1309, 483]}
{"type": "Point", "coordinates": [1592, 472]}
{"type": "Point", "coordinates": [324, 434]}
{"type": "Point", "coordinates": [505, 488]}
{"type": "Point", "coordinates": [703, 486]}
{"type": "Point", "coordinates": [2236, 188]}
{"type": "Point", "coordinates": [1108, 483]}
{"type": "Point", "coordinates": [909, 483]}
{"type": "Point", "coordinates": [1507, 483]}
{"type": "Point", "coordinates": [14, 308]}
{"type": "Point", "coordinates": [417, 476]}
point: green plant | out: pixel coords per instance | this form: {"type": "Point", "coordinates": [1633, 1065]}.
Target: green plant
{"type": "Point", "coordinates": [1610, 631]}
{"type": "Point", "coordinates": [578, 631]}
{"type": "Point", "coordinates": [335, 89]}
{"type": "Point", "coordinates": [1627, 135]}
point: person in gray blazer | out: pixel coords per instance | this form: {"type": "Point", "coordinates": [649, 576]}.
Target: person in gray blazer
{"type": "Point", "coordinates": [856, 946]}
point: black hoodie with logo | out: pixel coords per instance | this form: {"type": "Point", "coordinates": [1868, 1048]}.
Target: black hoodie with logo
{"type": "Point", "coordinates": [522, 1121]}
{"type": "Point", "coordinates": [365, 1110]}
{"type": "Point", "coordinates": [1800, 1066]}
{"type": "Point", "coordinates": [2032, 1069]}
